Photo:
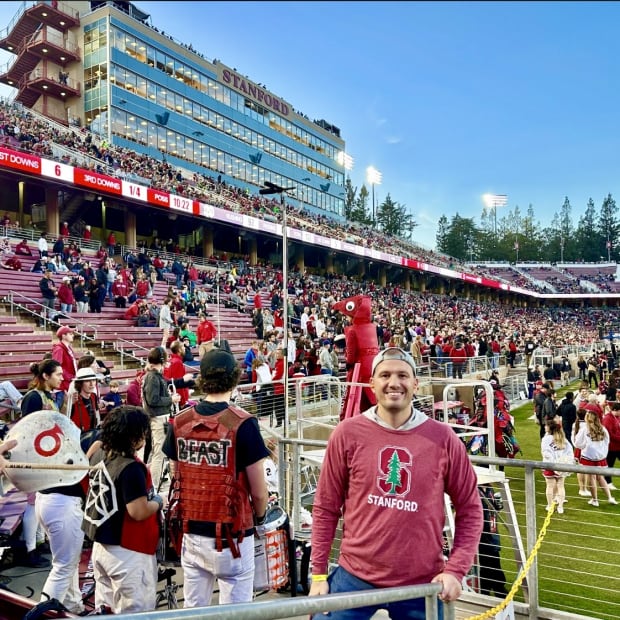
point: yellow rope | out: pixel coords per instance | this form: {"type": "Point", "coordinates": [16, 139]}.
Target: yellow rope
{"type": "Point", "coordinates": [517, 584]}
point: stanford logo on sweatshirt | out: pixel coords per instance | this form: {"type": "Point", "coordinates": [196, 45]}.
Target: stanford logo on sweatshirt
{"type": "Point", "coordinates": [394, 477]}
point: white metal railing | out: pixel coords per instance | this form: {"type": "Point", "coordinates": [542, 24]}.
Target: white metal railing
{"type": "Point", "coordinates": [553, 585]}
{"type": "Point", "coordinates": [302, 606]}
{"type": "Point", "coordinates": [22, 303]}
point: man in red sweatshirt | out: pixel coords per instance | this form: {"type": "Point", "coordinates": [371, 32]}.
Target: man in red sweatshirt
{"type": "Point", "coordinates": [386, 471]}
{"type": "Point", "coordinates": [206, 333]}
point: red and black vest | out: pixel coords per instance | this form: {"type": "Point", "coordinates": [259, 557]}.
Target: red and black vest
{"type": "Point", "coordinates": [141, 536]}
{"type": "Point", "coordinates": [209, 485]}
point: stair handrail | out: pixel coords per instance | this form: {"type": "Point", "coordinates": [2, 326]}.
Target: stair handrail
{"type": "Point", "coordinates": [4, 33]}
{"type": "Point", "coordinates": [81, 326]}
{"type": "Point", "coordinates": [132, 346]}
{"type": "Point", "coordinates": [33, 234]}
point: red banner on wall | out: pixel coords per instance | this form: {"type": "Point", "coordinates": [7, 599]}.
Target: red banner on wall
{"type": "Point", "coordinates": [98, 182]}
{"type": "Point", "coordinates": [20, 161]}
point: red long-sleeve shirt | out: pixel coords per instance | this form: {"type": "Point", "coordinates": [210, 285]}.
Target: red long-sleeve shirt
{"type": "Point", "coordinates": [389, 485]}
{"type": "Point", "coordinates": [175, 370]}
{"type": "Point", "coordinates": [205, 332]}
{"type": "Point", "coordinates": [612, 424]}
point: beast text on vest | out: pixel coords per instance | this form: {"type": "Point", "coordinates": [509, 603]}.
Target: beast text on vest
{"type": "Point", "coordinates": [198, 452]}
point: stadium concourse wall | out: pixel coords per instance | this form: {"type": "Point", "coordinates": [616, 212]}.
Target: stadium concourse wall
{"type": "Point", "coordinates": [29, 165]}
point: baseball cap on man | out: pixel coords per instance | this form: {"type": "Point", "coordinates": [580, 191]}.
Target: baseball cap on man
{"type": "Point", "coordinates": [217, 360]}
{"type": "Point", "coordinates": [65, 329]}
{"type": "Point", "coordinates": [393, 353]}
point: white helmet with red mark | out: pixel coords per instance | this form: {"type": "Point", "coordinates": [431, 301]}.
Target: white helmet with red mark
{"type": "Point", "coordinates": [44, 439]}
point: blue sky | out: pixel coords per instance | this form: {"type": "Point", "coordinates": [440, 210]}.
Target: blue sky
{"type": "Point", "coordinates": [448, 100]}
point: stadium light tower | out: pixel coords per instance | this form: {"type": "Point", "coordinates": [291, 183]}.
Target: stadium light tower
{"type": "Point", "coordinates": [374, 177]}
{"type": "Point", "coordinates": [345, 160]}
{"type": "Point", "coordinates": [493, 201]}
{"type": "Point", "coordinates": [272, 188]}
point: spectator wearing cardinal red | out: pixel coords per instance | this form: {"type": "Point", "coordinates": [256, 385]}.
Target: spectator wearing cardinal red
{"type": "Point", "coordinates": [159, 265]}
{"type": "Point", "coordinates": [65, 295]}
{"type": "Point", "coordinates": [63, 353]}
{"type": "Point", "coordinates": [142, 287]}
{"type": "Point", "coordinates": [111, 243]}
{"type": "Point", "coordinates": [119, 292]}
{"type": "Point", "coordinates": [134, 310]}
{"type": "Point", "coordinates": [23, 249]}
{"type": "Point", "coordinates": [512, 352]}
{"type": "Point", "coordinates": [459, 359]}
{"type": "Point", "coordinates": [206, 333]}
{"type": "Point", "coordinates": [175, 369]}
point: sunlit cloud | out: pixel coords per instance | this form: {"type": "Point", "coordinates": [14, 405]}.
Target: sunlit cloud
{"type": "Point", "coordinates": [394, 139]}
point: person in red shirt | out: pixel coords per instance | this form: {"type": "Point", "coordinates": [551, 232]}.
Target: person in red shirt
{"type": "Point", "coordinates": [611, 421]}
{"type": "Point", "coordinates": [192, 277]}
{"type": "Point", "coordinates": [65, 295]}
{"type": "Point", "coordinates": [496, 349]}
{"type": "Point", "coordinates": [111, 243]}
{"type": "Point", "coordinates": [158, 265]}
{"type": "Point", "coordinates": [101, 256]}
{"type": "Point", "coordinates": [175, 369]}
{"type": "Point", "coordinates": [63, 352]}
{"type": "Point", "coordinates": [64, 229]}
{"type": "Point", "coordinates": [87, 235]}
{"type": "Point", "coordinates": [387, 469]}
{"type": "Point", "coordinates": [512, 352]}
{"type": "Point", "coordinates": [119, 292]}
{"type": "Point", "coordinates": [134, 389]}
{"type": "Point", "coordinates": [142, 287]}
{"type": "Point", "coordinates": [278, 321]}
{"type": "Point", "coordinates": [459, 359]}
{"type": "Point", "coordinates": [23, 249]}
{"type": "Point", "coordinates": [12, 262]}
{"type": "Point", "coordinates": [277, 378]}
{"type": "Point", "coordinates": [134, 310]}
{"type": "Point", "coordinates": [206, 333]}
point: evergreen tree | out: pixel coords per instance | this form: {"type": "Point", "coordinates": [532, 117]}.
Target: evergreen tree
{"type": "Point", "coordinates": [441, 237]}
{"type": "Point", "coordinates": [586, 235]}
{"type": "Point", "coordinates": [460, 238]}
{"type": "Point", "coordinates": [349, 198]}
{"type": "Point", "coordinates": [532, 235]}
{"type": "Point", "coordinates": [608, 227]}
{"type": "Point", "coordinates": [360, 212]}
{"type": "Point", "coordinates": [394, 473]}
{"type": "Point", "coordinates": [394, 219]}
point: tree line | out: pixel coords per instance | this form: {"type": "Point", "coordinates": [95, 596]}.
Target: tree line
{"type": "Point", "coordinates": [515, 236]}
{"type": "Point", "coordinates": [520, 237]}
{"type": "Point", "coordinates": [390, 217]}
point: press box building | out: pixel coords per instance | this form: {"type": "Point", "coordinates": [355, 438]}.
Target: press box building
{"type": "Point", "coordinates": [104, 65]}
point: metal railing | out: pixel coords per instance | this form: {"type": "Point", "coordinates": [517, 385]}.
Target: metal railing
{"type": "Point", "coordinates": [22, 303]}
{"type": "Point", "coordinates": [87, 332]}
{"type": "Point", "coordinates": [532, 540]}
{"type": "Point", "coordinates": [33, 234]}
{"type": "Point", "coordinates": [302, 606]}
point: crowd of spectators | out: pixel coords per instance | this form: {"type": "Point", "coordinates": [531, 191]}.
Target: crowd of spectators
{"type": "Point", "coordinates": [601, 278]}
{"type": "Point", "coordinates": [20, 128]}
{"type": "Point", "coordinates": [542, 278]}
